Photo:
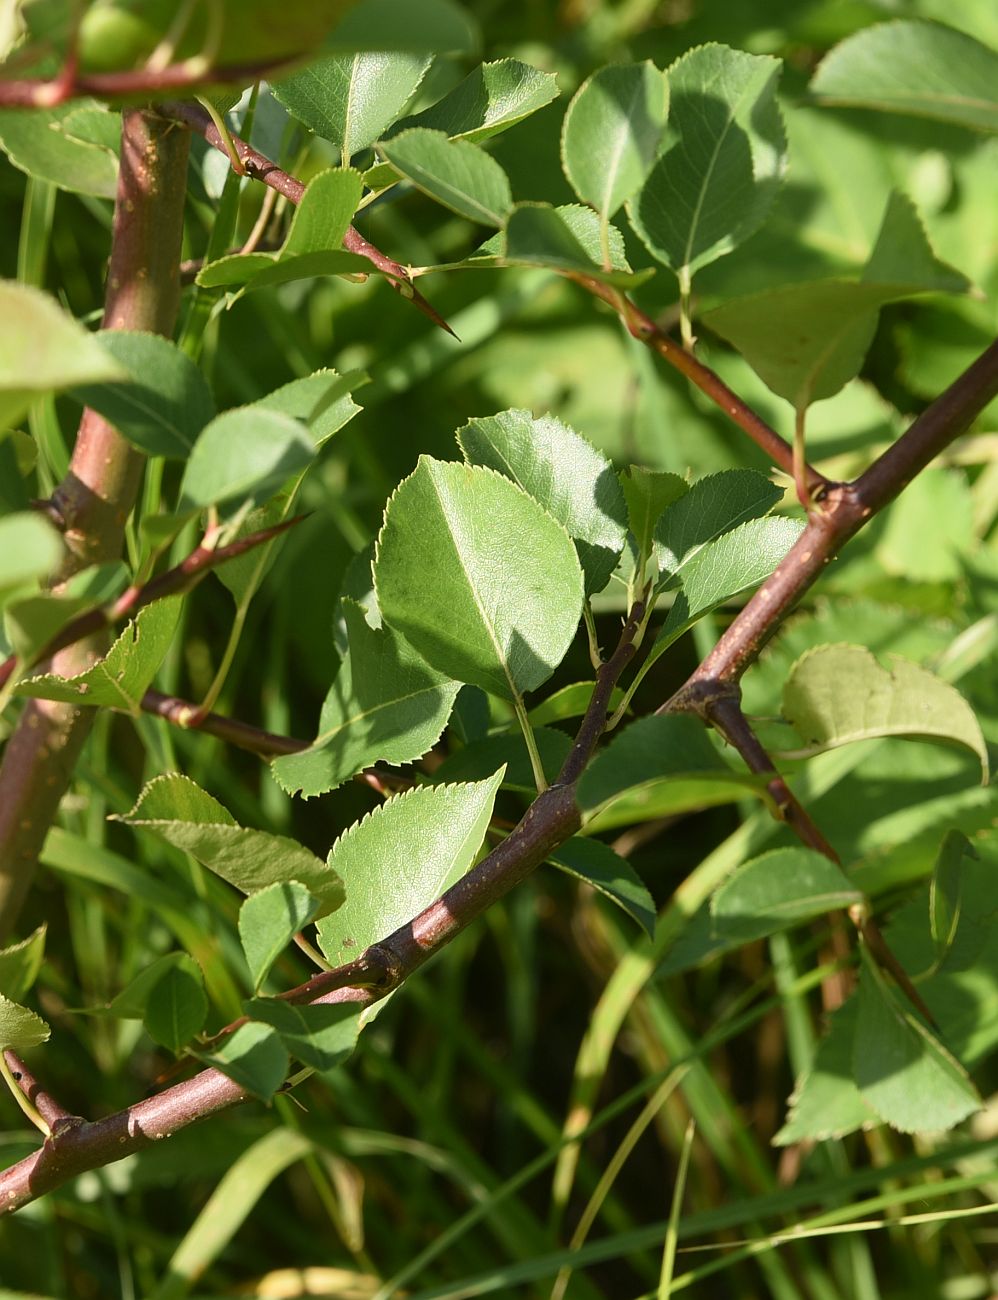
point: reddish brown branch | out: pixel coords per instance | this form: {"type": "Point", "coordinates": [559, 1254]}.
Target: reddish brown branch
{"type": "Point", "coordinates": [54, 1114]}
{"type": "Point", "coordinates": [142, 83]}
{"type": "Point", "coordinates": [261, 168]}
{"type": "Point", "coordinates": [182, 713]}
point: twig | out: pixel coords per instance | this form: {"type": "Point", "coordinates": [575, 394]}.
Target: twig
{"type": "Point", "coordinates": [182, 713]}
{"type": "Point", "coordinates": [52, 1112]}
{"type": "Point", "coordinates": [146, 83]}
{"type": "Point", "coordinates": [261, 168]}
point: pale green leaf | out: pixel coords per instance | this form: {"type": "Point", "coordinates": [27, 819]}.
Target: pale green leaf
{"type": "Point", "coordinates": [163, 404]}
{"type": "Point", "coordinates": [122, 677]}
{"type": "Point", "coordinates": [181, 813]}
{"type": "Point", "coordinates": [45, 143]}
{"type": "Point", "coordinates": [564, 473]}
{"type": "Point", "coordinates": [323, 401]}
{"type": "Point", "coordinates": [321, 1037]}
{"type": "Point", "coordinates": [483, 582]}
{"type": "Point", "coordinates": [712, 507]}
{"type": "Point", "coordinates": [490, 99]}
{"type": "Point", "coordinates": [777, 890]}
{"type": "Point", "coordinates": [454, 172]}
{"type": "Point", "coordinates": [837, 694]}
{"type": "Point", "coordinates": [43, 350]}
{"type": "Point", "coordinates": [722, 158]}
{"type": "Point", "coordinates": [569, 702]}
{"type": "Point", "coordinates": [564, 239]}
{"type": "Point", "coordinates": [254, 1058]}
{"type": "Point", "coordinates": [20, 964]}
{"type": "Point", "coordinates": [351, 100]}
{"type": "Point", "coordinates": [400, 858]}
{"type": "Point", "coordinates": [826, 1103]}
{"type": "Point", "coordinates": [598, 865]}
{"type": "Point", "coordinates": [611, 133]}
{"type": "Point", "coordinates": [19, 1027]}
{"type": "Point", "coordinates": [386, 704]}
{"type": "Point", "coordinates": [176, 1007]}
{"type": "Point", "coordinates": [920, 68]}
{"type": "Point", "coordinates": [30, 549]}
{"type": "Point", "coordinates": [269, 920]}
{"type": "Point", "coordinates": [244, 456]}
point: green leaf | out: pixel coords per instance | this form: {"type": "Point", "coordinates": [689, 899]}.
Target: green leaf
{"type": "Point", "coordinates": [564, 473]}
{"type": "Point", "coordinates": [921, 68]}
{"type": "Point", "coordinates": [387, 704]}
{"type": "Point", "coordinates": [454, 172]}
{"type": "Point", "coordinates": [657, 766]}
{"type": "Point", "coordinates": [598, 864]}
{"type": "Point", "coordinates": [122, 677]}
{"type": "Point", "coordinates": [351, 100]}
{"type": "Point", "coordinates": [648, 492]}
{"type": "Point", "coordinates": [564, 239]}
{"type": "Point", "coordinates": [319, 1036]}
{"type": "Point", "coordinates": [131, 1002]}
{"type": "Point", "coordinates": [569, 702]}
{"type": "Point", "coordinates": [20, 964]}
{"type": "Point", "coordinates": [322, 401]}
{"type": "Point", "coordinates": [945, 890]}
{"type": "Point", "coordinates": [480, 758]}
{"type": "Point", "coordinates": [400, 858]}
{"type": "Point", "coordinates": [482, 581]}
{"type": "Point", "coordinates": [19, 1027]}
{"type": "Point", "coordinates": [489, 100]}
{"type": "Point", "coordinates": [432, 26]}
{"type": "Point", "coordinates": [611, 133]}
{"type": "Point", "coordinates": [176, 1007]}
{"type": "Point", "coordinates": [165, 401]}
{"type": "Point", "coordinates": [837, 694]}
{"type": "Point", "coordinates": [722, 158]}
{"type": "Point", "coordinates": [902, 1070]}
{"type": "Point", "coordinates": [243, 456]}
{"type": "Point", "coordinates": [713, 506]}
{"type": "Point", "coordinates": [269, 920]}
{"type": "Point", "coordinates": [43, 350]}
{"type": "Point", "coordinates": [181, 813]}
{"type": "Point", "coordinates": [255, 1058]}
{"type": "Point", "coordinates": [42, 143]}
{"type": "Point", "coordinates": [30, 549]}
{"type": "Point", "coordinates": [777, 890]}
{"type": "Point", "coordinates": [826, 1103]}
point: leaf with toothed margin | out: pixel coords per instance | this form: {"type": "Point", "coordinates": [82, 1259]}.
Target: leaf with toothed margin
{"type": "Point", "coordinates": [455, 173]}
{"type": "Point", "coordinates": [19, 1027]}
{"type": "Point", "coordinates": [603, 868]}
{"type": "Point", "coordinates": [490, 99]}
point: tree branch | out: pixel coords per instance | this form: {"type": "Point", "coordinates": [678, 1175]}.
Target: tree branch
{"type": "Point", "coordinates": [31, 92]}
{"type": "Point", "coordinates": [99, 490]}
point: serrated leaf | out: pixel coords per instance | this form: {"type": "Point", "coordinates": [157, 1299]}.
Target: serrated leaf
{"type": "Point", "coordinates": [244, 456]}
{"type": "Point", "coordinates": [837, 694]}
{"type": "Point", "coordinates": [176, 1007]}
{"type": "Point", "coordinates": [777, 890]}
{"type": "Point", "coordinates": [826, 1102]}
{"type": "Point", "coordinates": [657, 766]}
{"type": "Point", "coordinates": [611, 133]}
{"type": "Point", "coordinates": [921, 68]}
{"type": "Point", "coordinates": [902, 1070]}
{"type": "Point", "coordinates": [44, 142]}
{"type": "Point", "coordinates": [400, 858]}
{"type": "Point", "coordinates": [20, 964]}
{"type": "Point", "coordinates": [163, 404]}
{"type": "Point", "coordinates": [648, 492]}
{"type": "Point", "coordinates": [319, 1036]}
{"type": "Point", "coordinates": [562, 472]}
{"type": "Point", "coordinates": [490, 99]}
{"type": "Point", "coordinates": [482, 581]}
{"type": "Point", "coordinates": [254, 1057]}
{"type": "Point", "coordinates": [19, 1027]}
{"type": "Point", "coordinates": [351, 100]}
{"type": "Point", "coordinates": [722, 158]}
{"type": "Point", "coordinates": [269, 920]}
{"type": "Point", "coordinates": [122, 677]}
{"type": "Point", "coordinates": [713, 506]}
{"type": "Point", "coordinates": [30, 549]}
{"type": "Point", "coordinates": [564, 239]}
{"type": "Point", "coordinates": [945, 890]}
{"type": "Point", "coordinates": [454, 172]}
{"type": "Point", "coordinates": [480, 758]}
{"type": "Point", "coordinates": [43, 350]}
{"type": "Point", "coordinates": [181, 813]}
{"type": "Point", "coordinates": [386, 704]}
{"type": "Point", "coordinates": [323, 401]}
{"type": "Point", "coordinates": [598, 864]}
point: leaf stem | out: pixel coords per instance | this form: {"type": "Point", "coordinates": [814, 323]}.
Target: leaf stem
{"type": "Point", "coordinates": [21, 1098]}
{"type": "Point", "coordinates": [685, 312]}
{"type": "Point", "coordinates": [520, 709]}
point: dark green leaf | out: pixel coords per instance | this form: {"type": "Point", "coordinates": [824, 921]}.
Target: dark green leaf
{"type": "Point", "coordinates": [480, 758]}
{"type": "Point", "coordinates": [20, 964]}
{"type": "Point", "coordinates": [776, 890]}
{"type": "Point", "coordinates": [648, 493]}
{"type": "Point", "coordinates": [945, 890]}
{"type": "Point", "coordinates": [826, 1102]}
{"type": "Point", "coordinates": [269, 920]}
{"type": "Point", "coordinates": [319, 1036]}
{"type": "Point", "coordinates": [454, 172]}
{"type": "Point", "coordinates": [712, 507]}
{"type": "Point", "coordinates": [432, 26]}
{"type": "Point", "coordinates": [596, 863]}
{"type": "Point", "coordinates": [176, 1007]}
{"type": "Point", "coordinates": [254, 1057]}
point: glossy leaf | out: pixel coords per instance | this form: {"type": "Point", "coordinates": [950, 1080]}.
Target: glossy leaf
{"type": "Point", "coordinates": [386, 705]}
{"type": "Point", "coordinates": [490, 99]}
{"type": "Point", "coordinates": [712, 507]}
{"type": "Point", "coordinates": [255, 1058]}
{"type": "Point", "coordinates": [20, 964]}
{"type": "Point", "coordinates": [351, 100]}
{"type": "Point", "coordinates": [400, 858]}
{"type": "Point", "coordinates": [42, 143]}
{"type": "Point", "coordinates": [243, 457]}
{"type": "Point", "coordinates": [564, 239]}
{"type": "Point", "coordinates": [19, 1027]}
{"type": "Point", "coordinates": [611, 133]}
{"type": "Point", "coordinates": [165, 402]}
{"type": "Point", "coordinates": [321, 1037]}
{"type": "Point", "coordinates": [43, 350]}
{"type": "Point", "coordinates": [269, 920]}
{"type": "Point", "coordinates": [181, 813]}
{"type": "Point", "coordinates": [122, 677]}
{"type": "Point", "coordinates": [482, 581]}
{"type": "Point", "coordinates": [454, 172]}
{"type": "Point", "coordinates": [30, 549]}
{"type": "Point", "coordinates": [920, 68]}
{"type": "Point", "coordinates": [176, 1007]}
{"type": "Point", "coordinates": [598, 865]}
{"type": "Point", "coordinates": [564, 473]}
{"type": "Point", "coordinates": [722, 158]}
{"type": "Point", "coordinates": [837, 694]}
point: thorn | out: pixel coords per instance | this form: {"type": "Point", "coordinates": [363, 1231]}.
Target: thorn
{"type": "Point", "coordinates": [430, 311]}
